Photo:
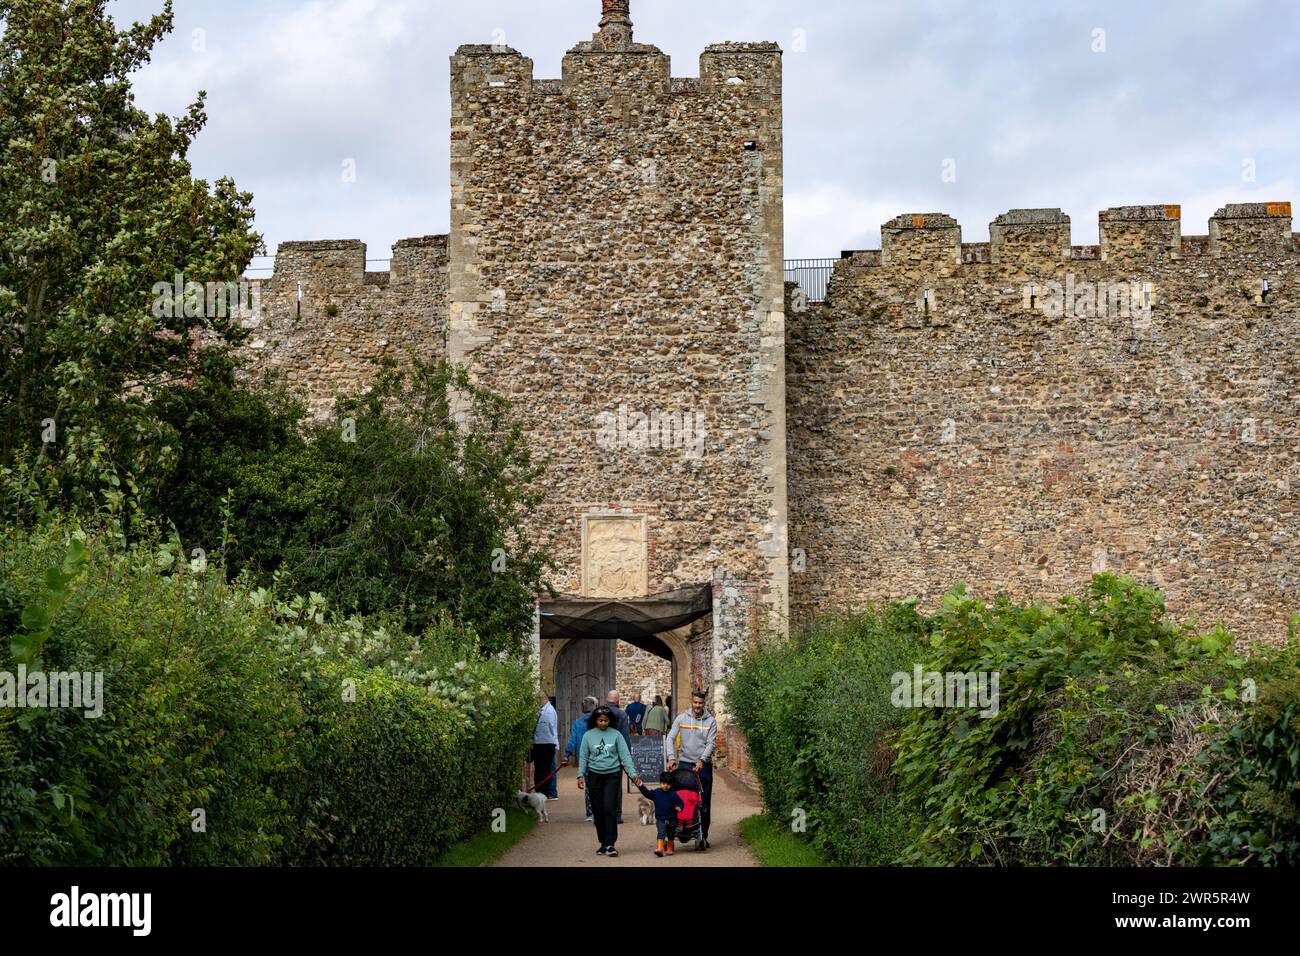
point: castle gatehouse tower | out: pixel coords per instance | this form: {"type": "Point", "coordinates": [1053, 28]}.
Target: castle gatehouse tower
{"type": "Point", "coordinates": [615, 269]}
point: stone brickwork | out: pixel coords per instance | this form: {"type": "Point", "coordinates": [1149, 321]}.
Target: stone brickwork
{"type": "Point", "coordinates": [1022, 413]}
{"type": "Point", "coordinates": [735, 750]}
{"type": "Point", "coordinates": [640, 672]}
{"type": "Point", "coordinates": [322, 319]}
{"type": "Point", "coordinates": [616, 271]}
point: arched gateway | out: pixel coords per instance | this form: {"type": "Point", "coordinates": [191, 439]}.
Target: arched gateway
{"type": "Point", "coordinates": [579, 638]}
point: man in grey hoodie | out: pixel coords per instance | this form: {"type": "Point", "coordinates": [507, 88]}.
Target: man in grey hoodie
{"type": "Point", "coordinates": [695, 732]}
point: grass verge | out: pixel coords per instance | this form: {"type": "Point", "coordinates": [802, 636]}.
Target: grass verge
{"type": "Point", "coordinates": [775, 845]}
{"type": "Point", "coordinates": [484, 849]}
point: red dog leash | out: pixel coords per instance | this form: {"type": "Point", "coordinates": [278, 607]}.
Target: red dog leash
{"type": "Point", "coordinates": [544, 779]}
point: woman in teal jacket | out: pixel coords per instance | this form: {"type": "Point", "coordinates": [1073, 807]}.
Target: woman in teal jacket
{"type": "Point", "coordinates": [603, 750]}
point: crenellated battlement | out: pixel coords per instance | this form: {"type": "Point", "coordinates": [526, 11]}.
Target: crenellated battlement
{"type": "Point", "coordinates": [1030, 235]}
{"type": "Point", "coordinates": [1140, 232]}
{"type": "Point", "coordinates": [321, 319]}
{"type": "Point", "coordinates": [494, 73]}
{"type": "Point", "coordinates": [920, 237]}
{"type": "Point", "coordinates": [483, 70]}
{"type": "Point", "coordinates": [741, 68]}
{"type": "Point", "coordinates": [1028, 412]}
{"type": "Point", "coordinates": [1132, 234]}
{"type": "Point", "coordinates": [421, 259]}
{"type": "Point", "coordinates": [1248, 228]}
{"type": "Point", "coordinates": [340, 264]}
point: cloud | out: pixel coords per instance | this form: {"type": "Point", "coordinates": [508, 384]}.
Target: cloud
{"type": "Point", "coordinates": [827, 218]}
{"type": "Point", "coordinates": [879, 97]}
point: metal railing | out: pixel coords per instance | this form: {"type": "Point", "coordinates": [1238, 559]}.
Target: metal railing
{"type": "Point", "coordinates": [813, 275]}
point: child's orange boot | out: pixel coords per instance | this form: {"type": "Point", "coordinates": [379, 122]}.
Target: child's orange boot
{"type": "Point", "coordinates": [668, 848]}
{"type": "Point", "coordinates": [659, 848]}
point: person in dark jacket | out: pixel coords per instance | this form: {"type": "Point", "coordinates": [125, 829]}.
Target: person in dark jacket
{"type": "Point", "coordinates": [620, 723]}
{"type": "Point", "coordinates": [667, 806]}
{"type": "Point", "coordinates": [636, 713]}
{"type": "Point", "coordinates": [574, 745]}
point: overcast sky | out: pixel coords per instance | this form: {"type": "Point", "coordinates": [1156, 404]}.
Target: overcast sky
{"type": "Point", "coordinates": [1192, 102]}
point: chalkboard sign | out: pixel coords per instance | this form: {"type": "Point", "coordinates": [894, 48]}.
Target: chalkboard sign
{"type": "Point", "coordinates": [648, 758]}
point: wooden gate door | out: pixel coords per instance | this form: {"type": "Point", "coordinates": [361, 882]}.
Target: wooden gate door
{"type": "Point", "coordinates": [584, 668]}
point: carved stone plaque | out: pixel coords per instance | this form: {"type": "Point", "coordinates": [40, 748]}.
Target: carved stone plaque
{"type": "Point", "coordinates": [614, 559]}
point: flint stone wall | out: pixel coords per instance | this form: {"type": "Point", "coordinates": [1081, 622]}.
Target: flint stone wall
{"type": "Point", "coordinates": [948, 423]}
{"type": "Point", "coordinates": [322, 319]}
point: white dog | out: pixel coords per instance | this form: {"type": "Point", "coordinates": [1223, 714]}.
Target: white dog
{"type": "Point", "coordinates": [535, 802]}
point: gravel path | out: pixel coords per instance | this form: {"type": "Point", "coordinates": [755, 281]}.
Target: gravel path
{"type": "Point", "coordinates": [568, 840]}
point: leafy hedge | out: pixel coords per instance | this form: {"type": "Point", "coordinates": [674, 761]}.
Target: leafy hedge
{"type": "Point", "coordinates": [303, 739]}
{"type": "Point", "coordinates": [430, 747]}
{"type": "Point", "coordinates": [1121, 738]}
{"type": "Point", "coordinates": [818, 721]}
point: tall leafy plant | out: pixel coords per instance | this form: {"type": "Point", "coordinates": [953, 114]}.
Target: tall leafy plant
{"type": "Point", "coordinates": [99, 205]}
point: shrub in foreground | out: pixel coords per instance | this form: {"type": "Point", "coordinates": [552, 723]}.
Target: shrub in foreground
{"type": "Point", "coordinates": [817, 717]}
{"type": "Point", "coordinates": [236, 728]}
{"type": "Point", "coordinates": [1120, 737]}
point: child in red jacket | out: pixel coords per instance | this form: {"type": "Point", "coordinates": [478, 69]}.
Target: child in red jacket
{"type": "Point", "coordinates": [690, 803]}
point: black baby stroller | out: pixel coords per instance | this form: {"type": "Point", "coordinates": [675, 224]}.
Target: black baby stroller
{"type": "Point", "coordinates": [686, 779]}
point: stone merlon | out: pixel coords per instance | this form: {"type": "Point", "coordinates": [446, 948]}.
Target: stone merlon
{"type": "Point", "coordinates": [1036, 235]}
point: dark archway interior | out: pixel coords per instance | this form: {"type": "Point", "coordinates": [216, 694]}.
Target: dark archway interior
{"type": "Point", "coordinates": [652, 645]}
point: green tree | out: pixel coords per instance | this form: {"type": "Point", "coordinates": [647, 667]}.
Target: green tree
{"type": "Point", "coordinates": [400, 506]}
{"type": "Point", "coordinates": [440, 494]}
{"type": "Point", "coordinates": [98, 207]}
